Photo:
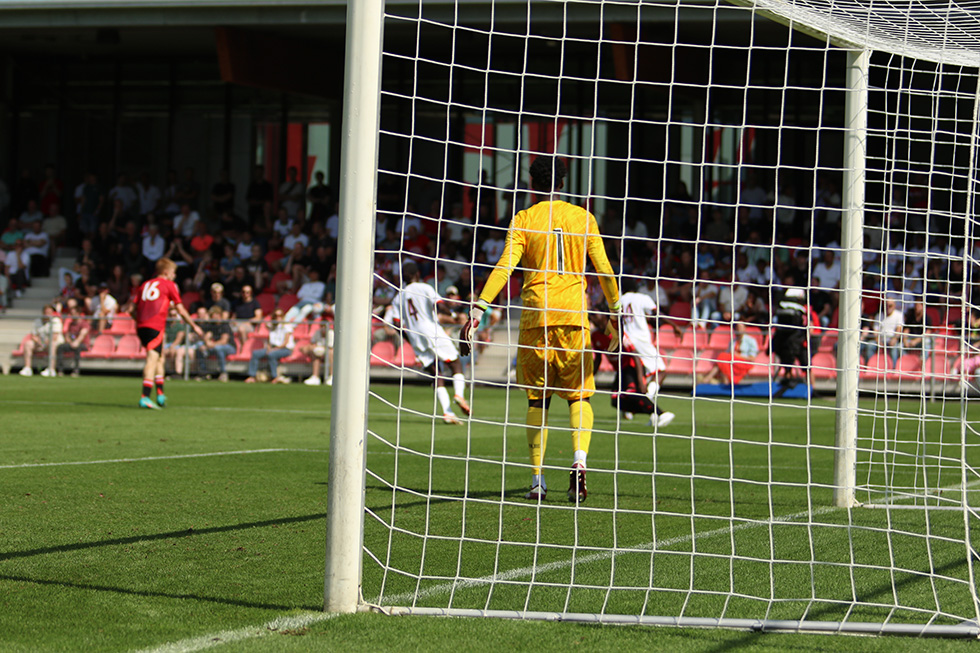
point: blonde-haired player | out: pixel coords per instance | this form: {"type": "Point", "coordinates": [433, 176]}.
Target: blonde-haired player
{"type": "Point", "coordinates": [552, 241]}
{"type": "Point", "coordinates": [153, 300]}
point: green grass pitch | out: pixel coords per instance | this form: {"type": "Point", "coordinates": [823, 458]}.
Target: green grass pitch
{"type": "Point", "coordinates": [202, 525]}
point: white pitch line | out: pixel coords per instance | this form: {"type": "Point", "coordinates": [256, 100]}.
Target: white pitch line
{"type": "Point", "coordinates": [249, 632]}
{"type": "Point", "coordinates": [146, 458]}
{"type": "Point", "coordinates": [233, 409]}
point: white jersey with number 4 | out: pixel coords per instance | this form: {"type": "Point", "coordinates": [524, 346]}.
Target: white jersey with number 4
{"type": "Point", "coordinates": [636, 332]}
{"type": "Point", "coordinates": [415, 308]}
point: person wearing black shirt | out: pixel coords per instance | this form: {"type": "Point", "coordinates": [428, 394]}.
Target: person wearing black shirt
{"type": "Point", "coordinates": [259, 196]}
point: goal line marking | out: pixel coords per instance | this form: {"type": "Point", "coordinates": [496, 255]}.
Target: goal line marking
{"type": "Point", "coordinates": [172, 457]}
{"type": "Point", "coordinates": [276, 626]}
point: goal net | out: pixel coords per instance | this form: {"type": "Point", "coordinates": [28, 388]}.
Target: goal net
{"type": "Point", "coordinates": [793, 185]}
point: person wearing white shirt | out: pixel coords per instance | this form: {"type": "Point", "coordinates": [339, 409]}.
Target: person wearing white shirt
{"type": "Point", "coordinates": [281, 344]}
{"type": "Point", "coordinates": [123, 192]}
{"type": "Point", "coordinates": [405, 223]}
{"type": "Point", "coordinates": [311, 291]}
{"type": "Point", "coordinates": [186, 221]}
{"type": "Point", "coordinates": [886, 332]}
{"type": "Point", "coordinates": [149, 195]}
{"type": "Point", "coordinates": [636, 337]}
{"type": "Point", "coordinates": [494, 245]}
{"type": "Point", "coordinates": [827, 271]}
{"type": "Point", "coordinates": [283, 224]}
{"type": "Point", "coordinates": [294, 236]}
{"type": "Point", "coordinates": [104, 306]}
{"type": "Point", "coordinates": [153, 243]}
{"type": "Point", "coordinates": [37, 247]}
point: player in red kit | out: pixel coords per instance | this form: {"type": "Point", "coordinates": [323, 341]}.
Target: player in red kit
{"type": "Point", "coordinates": [153, 300]}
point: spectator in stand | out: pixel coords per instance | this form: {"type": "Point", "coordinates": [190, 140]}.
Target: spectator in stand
{"type": "Point", "coordinates": [88, 256]}
{"type": "Point", "coordinates": [217, 298]}
{"type": "Point", "coordinates": [705, 304]}
{"type": "Point", "coordinates": [320, 198]}
{"type": "Point", "coordinates": [46, 334]}
{"type": "Point", "coordinates": [274, 251]}
{"type": "Point", "coordinates": [320, 348]}
{"type": "Point", "coordinates": [229, 261]}
{"type": "Point", "coordinates": [37, 246]}
{"type": "Point", "coordinates": [312, 291]}
{"type": "Point", "coordinates": [154, 244]}
{"type": "Point", "coordinates": [76, 331]}
{"type": "Point", "coordinates": [295, 236]}
{"type": "Point", "coordinates": [731, 298]}
{"type": "Point", "coordinates": [243, 248]}
{"type": "Point", "coordinates": [222, 194]}
{"type": "Point", "coordinates": [292, 193]}
{"type": "Point", "coordinates": [55, 225]}
{"type": "Point", "coordinates": [826, 274]}
{"type": "Point", "coordinates": [886, 333]}
{"type": "Point", "coordinates": [11, 234]}
{"type": "Point", "coordinates": [189, 190]}
{"type": "Point", "coordinates": [174, 346]}
{"type": "Point", "coordinates": [283, 224]}
{"type": "Point", "coordinates": [125, 193]}
{"type": "Point", "coordinates": [91, 201]}
{"type": "Point", "coordinates": [281, 345]}
{"type": "Point", "coordinates": [248, 313]}
{"type": "Point", "coordinates": [257, 268]}
{"type": "Point", "coordinates": [218, 341]}
{"type": "Point", "coordinates": [916, 335]}
{"type": "Point", "coordinates": [31, 214]}
{"type": "Point", "coordinates": [148, 195]}
{"type": "Point", "coordinates": [18, 268]}
{"type": "Point", "coordinates": [202, 241]}
{"type": "Point", "coordinates": [104, 307]}
{"type": "Point", "coordinates": [118, 283]}
{"type": "Point", "coordinates": [259, 196]}
{"type": "Point", "coordinates": [185, 221]}
{"type": "Point", "coordinates": [736, 362]}
{"type": "Point", "coordinates": [297, 265]}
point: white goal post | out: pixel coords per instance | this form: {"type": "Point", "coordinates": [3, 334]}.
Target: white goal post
{"type": "Point", "coordinates": [741, 159]}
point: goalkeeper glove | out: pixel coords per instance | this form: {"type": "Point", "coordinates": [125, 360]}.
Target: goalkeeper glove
{"type": "Point", "coordinates": [467, 335]}
{"type": "Point", "coordinates": [612, 330]}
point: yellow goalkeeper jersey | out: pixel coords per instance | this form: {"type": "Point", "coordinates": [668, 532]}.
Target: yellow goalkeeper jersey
{"type": "Point", "coordinates": [550, 242]}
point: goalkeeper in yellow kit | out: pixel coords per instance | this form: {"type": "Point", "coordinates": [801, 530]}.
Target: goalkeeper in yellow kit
{"type": "Point", "coordinates": [551, 241]}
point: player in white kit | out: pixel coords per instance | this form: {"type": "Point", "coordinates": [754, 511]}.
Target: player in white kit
{"type": "Point", "coordinates": [414, 312]}
{"type": "Point", "coordinates": [637, 338]}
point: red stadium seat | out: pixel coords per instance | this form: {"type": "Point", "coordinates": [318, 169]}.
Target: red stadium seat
{"type": "Point", "coordinates": [267, 302]}
{"type": "Point", "coordinates": [287, 301]}
{"type": "Point", "coordinates": [406, 356]}
{"type": "Point", "coordinates": [303, 330]}
{"type": "Point", "coordinates": [20, 348]}
{"type": "Point", "coordinates": [909, 367]}
{"type": "Point", "coordinates": [252, 342]}
{"type": "Point", "coordinates": [721, 338]}
{"type": "Point", "coordinates": [189, 298]}
{"type": "Point", "coordinates": [128, 347]}
{"type": "Point", "coordinates": [764, 366]}
{"type": "Point", "coordinates": [383, 353]}
{"type": "Point", "coordinates": [121, 326]}
{"type": "Point", "coordinates": [824, 365]}
{"type": "Point", "coordinates": [876, 367]}
{"type": "Point", "coordinates": [297, 356]}
{"type": "Point", "coordinates": [102, 347]}
{"type": "Point", "coordinates": [666, 339]}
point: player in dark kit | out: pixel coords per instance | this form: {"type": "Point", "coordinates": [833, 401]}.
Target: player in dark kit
{"type": "Point", "coordinates": [153, 300]}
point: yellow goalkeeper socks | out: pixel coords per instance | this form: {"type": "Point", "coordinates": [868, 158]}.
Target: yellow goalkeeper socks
{"type": "Point", "coordinates": [537, 436]}
{"type": "Point", "coordinates": [581, 420]}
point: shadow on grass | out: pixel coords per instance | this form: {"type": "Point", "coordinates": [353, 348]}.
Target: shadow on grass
{"type": "Point", "coordinates": [156, 594]}
{"type": "Point", "coordinates": [79, 546]}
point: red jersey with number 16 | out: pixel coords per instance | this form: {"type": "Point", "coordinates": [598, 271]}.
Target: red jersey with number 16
{"type": "Point", "coordinates": [153, 303]}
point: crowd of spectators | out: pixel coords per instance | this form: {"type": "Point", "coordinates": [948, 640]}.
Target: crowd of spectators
{"type": "Point", "coordinates": [232, 269]}
{"type": "Point", "coordinates": [705, 264]}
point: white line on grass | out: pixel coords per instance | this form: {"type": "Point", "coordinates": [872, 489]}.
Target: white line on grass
{"type": "Point", "coordinates": [277, 625]}
{"type": "Point", "coordinates": [173, 457]}
{"type": "Point", "coordinates": [233, 409]}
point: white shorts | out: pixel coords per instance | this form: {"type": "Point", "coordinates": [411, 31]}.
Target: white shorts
{"type": "Point", "coordinates": [427, 350]}
{"type": "Point", "coordinates": [652, 360]}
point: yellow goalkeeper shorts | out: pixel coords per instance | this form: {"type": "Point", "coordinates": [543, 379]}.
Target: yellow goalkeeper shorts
{"type": "Point", "coordinates": [556, 359]}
